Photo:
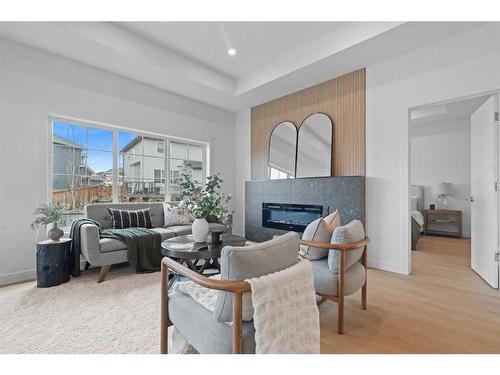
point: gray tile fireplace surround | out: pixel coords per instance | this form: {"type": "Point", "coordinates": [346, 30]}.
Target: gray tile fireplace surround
{"type": "Point", "coordinates": [347, 194]}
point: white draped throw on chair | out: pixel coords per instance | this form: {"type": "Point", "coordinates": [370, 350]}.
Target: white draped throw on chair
{"type": "Point", "coordinates": [286, 316]}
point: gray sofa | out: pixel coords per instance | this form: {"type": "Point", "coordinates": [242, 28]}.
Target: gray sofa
{"type": "Point", "coordinates": [104, 252]}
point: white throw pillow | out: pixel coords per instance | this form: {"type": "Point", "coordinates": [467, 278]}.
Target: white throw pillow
{"type": "Point", "coordinates": [351, 232]}
{"type": "Point", "coordinates": [175, 216]}
{"type": "Point", "coordinates": [319, 231]}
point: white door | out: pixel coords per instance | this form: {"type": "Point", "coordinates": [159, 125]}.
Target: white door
{"type": "Point", "coordinates": [484, 191]}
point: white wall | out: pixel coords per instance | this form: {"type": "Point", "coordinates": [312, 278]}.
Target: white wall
{"type": "Point", "coordinates": [461, 66]}
{"type": "Point", "coordinates": [464, 65]}
{"type": "Point", "coordinates": [242, 171]}
{"type": "Point", "coordinates": [440, 151]}
{"type": "Point", "coordinates": [34, 85]}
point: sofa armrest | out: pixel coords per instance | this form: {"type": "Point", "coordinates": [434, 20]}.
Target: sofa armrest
{"type": "Point", "coordinates": [89, 245]}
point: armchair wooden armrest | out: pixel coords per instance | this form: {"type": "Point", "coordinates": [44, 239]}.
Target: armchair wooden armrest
{"type": "Point", "coordinates": [333, 246]}
{"type": "Point", "coordinates": [224, 285]}
{"type": "Point", "coordinates": [235, 287]}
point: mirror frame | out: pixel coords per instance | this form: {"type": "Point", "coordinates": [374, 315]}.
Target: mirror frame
{"type": "Point", "coordinates": [332, 124]}
{"type": "Point", "coordinates": [296, 143]}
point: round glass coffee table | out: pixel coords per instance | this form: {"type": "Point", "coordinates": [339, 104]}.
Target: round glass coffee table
{"type": "Point", "coordinates": [199, 256]}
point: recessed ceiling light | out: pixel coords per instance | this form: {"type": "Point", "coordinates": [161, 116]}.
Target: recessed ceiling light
{"type": "Point", "coordinates": [231, 52]}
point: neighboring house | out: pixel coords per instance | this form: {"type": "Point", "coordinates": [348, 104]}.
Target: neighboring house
{"type": "Point", "coordinates": [107, 177]}
{"type": "Point", "coordinates": [67, 159]}
{"type": "Point", "coordinates": [143, 161]}
{"type": "Point", "coordinates": [69, 166]}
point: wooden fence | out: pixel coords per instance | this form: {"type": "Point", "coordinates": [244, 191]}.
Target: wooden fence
{"type": "Point", "coordinates": [78, 197]}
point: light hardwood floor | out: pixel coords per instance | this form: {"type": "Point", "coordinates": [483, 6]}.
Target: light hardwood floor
{"type": "Point", "coordinates": [443, 307]}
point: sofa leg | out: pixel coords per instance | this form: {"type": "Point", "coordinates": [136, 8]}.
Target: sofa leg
{"type": "Point", "coordinates": [102, 274]}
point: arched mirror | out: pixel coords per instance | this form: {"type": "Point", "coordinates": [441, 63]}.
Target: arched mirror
{"type": "Point", "coordinates": [314, 149]}
{"type": "Point", "coordinates": [282, 149]}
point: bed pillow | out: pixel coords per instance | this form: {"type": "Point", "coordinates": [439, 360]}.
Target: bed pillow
{"type": "Point", "coordinates": [121, 219]}
{"type": "Point", "coordinates": [414, 203]}
{"type": "Point", "coordinates": [319, 230]}
{"type": "Point", "coordinates": [351, 232]}
{"type": "Point", "coordinates": [175, 216]}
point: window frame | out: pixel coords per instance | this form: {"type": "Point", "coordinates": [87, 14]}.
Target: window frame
{"type": "Point", "coordinates": [162, 143]}
{"type": "Point", "coordinates": [204, 156]}
{"type": "Point", "coordinates": [116, 152]}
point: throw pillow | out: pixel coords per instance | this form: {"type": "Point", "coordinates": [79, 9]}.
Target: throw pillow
{"type": "Point", "coordinates": [121, 219]}
{"type": "Point", "coordinates": [333, 220]}
{"type": "Point", "coordinates": [319, 231]}
{"type": "Point", "coordinates": [175, 216]}
{"type": "Point", "coordinates": [351, 232]}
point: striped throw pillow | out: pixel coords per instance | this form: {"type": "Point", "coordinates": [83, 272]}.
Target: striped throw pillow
{"type": "Point", "coordinates": [121, 219]}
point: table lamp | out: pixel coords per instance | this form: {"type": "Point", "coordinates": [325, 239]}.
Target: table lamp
{"type": "Point", "coordinates": [442, 191]}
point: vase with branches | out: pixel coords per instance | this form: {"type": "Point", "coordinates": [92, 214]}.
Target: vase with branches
{"type": "Point", "coordinates": [206, 203]}
{"type": "Point", "coordinates": [48, 214]}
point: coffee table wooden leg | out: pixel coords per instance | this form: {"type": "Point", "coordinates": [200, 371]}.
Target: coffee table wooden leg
{"type": "Point", "coordinates": [216, 264]}
{"type": "Point", "coordinates": [190, 265]}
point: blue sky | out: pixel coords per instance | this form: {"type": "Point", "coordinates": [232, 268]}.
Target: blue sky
{"type": "Point", "coordinates": [100, 157]}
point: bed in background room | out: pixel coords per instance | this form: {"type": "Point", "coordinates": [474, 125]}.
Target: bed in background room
{"type": "Point", "coordinates": [417, 219]}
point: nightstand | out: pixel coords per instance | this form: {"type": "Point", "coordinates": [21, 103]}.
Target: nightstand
{"type": "Point", "coordinates": [443, 223]}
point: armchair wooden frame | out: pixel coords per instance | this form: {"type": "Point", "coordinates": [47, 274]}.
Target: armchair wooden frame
{"type": "Point", "coordinates": [240, 287]}
{"type": "Point", "coordinates": [235, 287]}
{"type": "Point", "coordinates": [343, 248]}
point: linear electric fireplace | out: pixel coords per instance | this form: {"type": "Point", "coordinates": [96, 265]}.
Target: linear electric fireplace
{"type": "Point", "coordinates": [287, 216]}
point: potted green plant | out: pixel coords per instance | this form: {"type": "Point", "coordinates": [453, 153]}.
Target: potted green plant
{"type": "Point", "coordinates": [49, 214]}
{"type": "Point", "coordinates": [206, 204]}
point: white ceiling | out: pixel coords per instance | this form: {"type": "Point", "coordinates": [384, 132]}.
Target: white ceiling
{"type": "Point", "coordinates": [190, 58]}
{"type": "Point", "coordinates": [446, 111]}
{"type": "Point", "coordinates": [256, 43]}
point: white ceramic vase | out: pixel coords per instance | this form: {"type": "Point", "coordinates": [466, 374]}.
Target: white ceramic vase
{"type": "Point", "coordinates": [200, 230]}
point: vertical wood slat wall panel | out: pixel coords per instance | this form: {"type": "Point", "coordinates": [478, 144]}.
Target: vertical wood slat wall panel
{"type": "Point", "coordinates": [342, 98]}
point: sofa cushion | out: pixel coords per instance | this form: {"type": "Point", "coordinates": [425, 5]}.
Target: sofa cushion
{"type": "Point", "coordinates": [99, 212]}
{"type": "Point", "coordinates": [241, 263]}
{"type": "Point", "coordinates": [351, 232]}
{"type": "Point", "coordinates": [319, 231]}
{"type": "Point", "coordinates": [326, 282]}
{"type": "Point", "coordinates": [110, 244]}
{"type": "Point", "coordinates": [165, 233]}
{"type": "Point", "coordinates": [180, 230]}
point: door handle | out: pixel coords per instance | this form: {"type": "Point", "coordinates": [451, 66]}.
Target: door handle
{"type": "Point", "coordinates": [472, 199]}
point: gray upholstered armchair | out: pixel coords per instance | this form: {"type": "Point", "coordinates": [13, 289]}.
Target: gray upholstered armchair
{"type": "Point", "coordinates": [207, 331]}
{"type": "Point", "coordinates": [344, 271]}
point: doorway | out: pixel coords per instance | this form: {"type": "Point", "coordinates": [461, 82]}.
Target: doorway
{"type": "Point", "coordinates": [454, 183]}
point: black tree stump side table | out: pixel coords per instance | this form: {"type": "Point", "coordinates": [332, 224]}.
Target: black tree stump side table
{"type": "Point", "coordinates": [52, 262]}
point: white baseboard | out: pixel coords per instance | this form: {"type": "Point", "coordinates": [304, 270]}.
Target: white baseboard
{"type": "Point", "coordinates": [17, 277]}
{"type": "Point", "coordinates": [27, 275]}
{"type": "Point", "coordinates": [385, 266]}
